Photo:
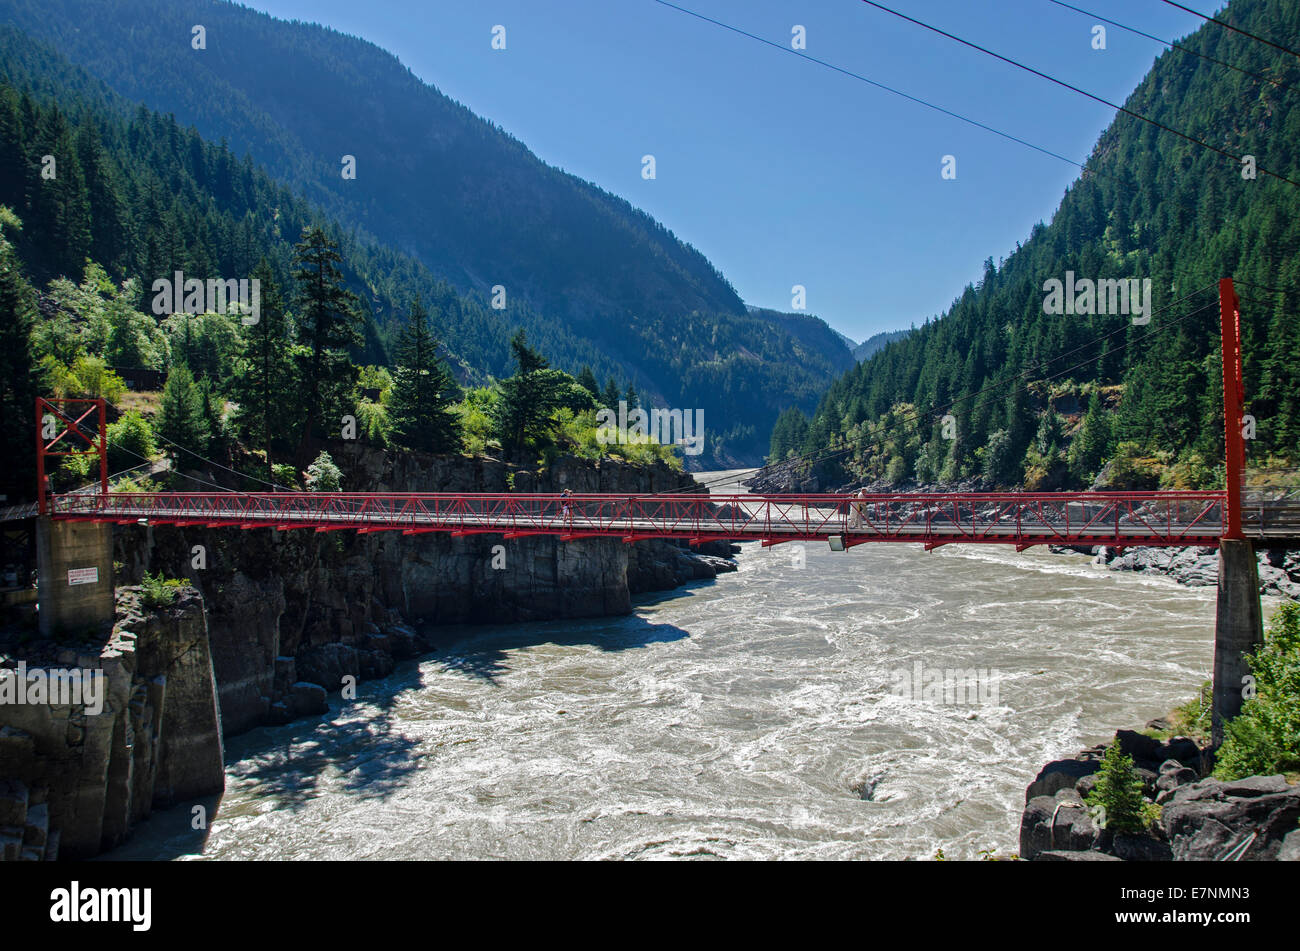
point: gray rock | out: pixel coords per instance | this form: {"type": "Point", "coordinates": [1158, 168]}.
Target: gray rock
{"type": "Point", "coordinates": [1141, 848]}
{"type": "Point", "coordinates": [1050, 823]}
{"type": "Point", "coordinates": [309, 698]}
{"type": "Point", "coordinates": [1246, 819]}
{"type": "Point", "coordinates": [1057, 856]}
{"type": "Point", "coordinates": [1060, 774]}
{"type": "Point", "coordinates": [1290, 850]}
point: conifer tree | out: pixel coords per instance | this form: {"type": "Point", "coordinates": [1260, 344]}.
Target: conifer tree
{"type": "Point", "coordinates": [423, 390]}
{"type": "Point", "coordinates": [327, 326]}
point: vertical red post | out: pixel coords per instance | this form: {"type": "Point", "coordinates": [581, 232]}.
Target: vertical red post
{"type": "Point", "coordinates": [1233, 397]}
{"type": "Point", "coordinates": [103, 450]}
{"type": "Point", "coordinates": [40, 458]}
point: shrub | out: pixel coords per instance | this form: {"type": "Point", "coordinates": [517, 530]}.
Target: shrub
{"type": "Point", "coordinates": [285, 475]}
{"type": "Point", "coordinates": [130, 442]}
{"type": "Point", "coordinates": [323, 475]}
{"type": "Point", "coordinates": [159, 592]}
{"type": "Point", "coordinates": [1118, 795]}
{"type": "Point", "coordinates": [1265, 737]}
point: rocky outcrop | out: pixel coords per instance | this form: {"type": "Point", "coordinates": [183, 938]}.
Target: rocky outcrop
{"type": "Point", "coordinates": [1201, 819]}
{"type": "Point", "coordinates": [79, 775]}
{"type": "Point", "coordinates": [294, 608]}
{"type": "Point", "coordinates": [1279, 569]}
{"type": "Point", "coordinates": [1246, 819]}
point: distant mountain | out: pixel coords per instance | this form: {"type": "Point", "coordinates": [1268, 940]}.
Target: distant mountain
{"type": "Point", "coordinates": [441, 194]}
{"type": "Point", "coordinates": [814, 333]}
{"type": "Point", "coordinates": [877, 342]}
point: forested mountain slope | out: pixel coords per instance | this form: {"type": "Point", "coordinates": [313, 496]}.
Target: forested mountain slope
{"type": "Point", "coordinates": [677, 333]}
{"type": "Point", "coordinates": [1150, 205]}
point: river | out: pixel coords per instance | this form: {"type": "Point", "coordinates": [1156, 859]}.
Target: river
{"type": "Point", "coordinates": [756, 717]}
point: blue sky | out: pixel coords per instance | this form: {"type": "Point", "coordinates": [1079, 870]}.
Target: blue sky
{"type": "Point", "coordinates": [780, 171]}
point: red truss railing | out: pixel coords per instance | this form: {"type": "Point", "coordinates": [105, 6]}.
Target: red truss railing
{"type": "Point", "coordinates": [1022, 519]}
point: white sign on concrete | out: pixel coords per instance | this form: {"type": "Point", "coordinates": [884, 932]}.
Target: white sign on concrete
{"type": "Point", "coordinates": [83, 576]}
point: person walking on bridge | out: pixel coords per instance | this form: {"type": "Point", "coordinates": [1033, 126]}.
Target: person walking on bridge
{"type": "Point", "coordinates": [857, 509]}
{"type": "Point", "coordinates": [565, 507]}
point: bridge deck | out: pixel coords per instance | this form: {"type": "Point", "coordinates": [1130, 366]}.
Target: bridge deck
{"type": "Point", "coordinates": [1023, 519]}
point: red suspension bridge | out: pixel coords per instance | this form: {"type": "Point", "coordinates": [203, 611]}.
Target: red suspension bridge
{"type": "Point", "coordinates": [74, 535]}
{"type": "Point", "coordinates": [1022, 519]}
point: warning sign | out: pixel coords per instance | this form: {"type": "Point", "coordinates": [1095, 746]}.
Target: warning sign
{"type": "Point", "coordinates": [83, 576]}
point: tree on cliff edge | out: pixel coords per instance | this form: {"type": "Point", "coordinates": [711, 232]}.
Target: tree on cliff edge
{"type": "Point", "coordinates": [423, 390]}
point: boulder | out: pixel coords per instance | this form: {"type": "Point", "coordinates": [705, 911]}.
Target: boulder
{"type": "Point", "coordinates": [1141, 848]}
{"type": "Point", "coordinates": [1058, 856]}
{"type": "Point", "coordinates": [1213, 820]}
{"type": "Point", "coordinates": [1060, 774]}
{"type": "Point", "coordinates": [1290, 850]}
{"type": "Point", "coordinates": [1060, 823]}
{"type": "Point", "coordinates": [309, 699]}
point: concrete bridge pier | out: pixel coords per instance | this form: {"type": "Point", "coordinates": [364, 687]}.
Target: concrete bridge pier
{"type": "Point", "coordinates": [1238, 628]}
{"type": "Point", "coordinates": [74, 563]}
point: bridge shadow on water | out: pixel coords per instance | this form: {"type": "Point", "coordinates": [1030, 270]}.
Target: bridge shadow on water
{"type": "Point", "coordinates": [359, 746]}
{"type": "Point", "coordinates": [485, 656]}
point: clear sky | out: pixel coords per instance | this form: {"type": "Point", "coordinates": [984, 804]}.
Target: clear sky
{"type": "Point", "coordinates": [781, 171]}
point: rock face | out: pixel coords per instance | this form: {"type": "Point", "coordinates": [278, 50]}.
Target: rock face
{"type": "Point", "coordinates": [1279, 569]}
{"type": "Point", "coordinates": [1246, 819]}
{"type": "Point", "coordinates": [79, 775]}
{"type": "Point", "coordinates": [299, 607]}
{"type": "Point", "coordinates": [1200, 819]}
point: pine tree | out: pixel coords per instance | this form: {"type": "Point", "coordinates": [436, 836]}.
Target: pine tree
{"type": "Point", "coordinates": [423, 391]}
{"type": "Point", "coordinates": [527, 399]}
{"type": "Point", "coordinates": [609, 398]}
{"type": "Point", "coordinates": [19, 380]}
{"type": "Point", "coordinates": [1117, 796]}
{"type": "Point", "coordinates": [327, 326]}
{"type": "Point", "coordinates": [587, 379]}
{"type": "Point", "coordinates": [263, 384]}
{"type": "Point", "coordinates": [183, 418]}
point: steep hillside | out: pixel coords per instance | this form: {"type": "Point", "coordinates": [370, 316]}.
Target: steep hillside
{"type": "Point", "coordinates": [595, 282]}
{"type": "Point", "coordinates": [1149, 207]}
{"type": "Point", "coordinates": [433, 178]}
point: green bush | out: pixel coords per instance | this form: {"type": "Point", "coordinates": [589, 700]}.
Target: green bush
{"type": "Point", "coordinates": [285, 475]}
{"type": "Point", "coordinates": [159, 592]}
{"type": "Point", "coordinates": [1117, 800]}
{"type": "Point", "coordinates": [1265, 737]}
{"type": "Point", "coordinates": [130, 442]}
{"type": "Point", "coordinates": [323, 475]}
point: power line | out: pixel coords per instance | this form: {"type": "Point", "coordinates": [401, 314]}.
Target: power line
{"type": "Point", "coordinates": [1234, 29]}
{"type": "Point", "coordinates": [1082, 92]}
{"type": "Point", "coordinates": [1279, 83]}
{"type": "Point", "coordinates": [871, 82]}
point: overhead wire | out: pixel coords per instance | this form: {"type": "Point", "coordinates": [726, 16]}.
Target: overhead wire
{"type": "Point", "coordinates": [1173, 45]}
{"type": "Point", "coordinates": [1081, 91]}
{"type": "Point", "coordinates": [1234, 29]}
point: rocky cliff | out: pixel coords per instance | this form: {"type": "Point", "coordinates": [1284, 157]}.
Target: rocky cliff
{"type": "Point", "coordinates": [76, 776]}
{"type": "Point", "coordinates": [292, 613]}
